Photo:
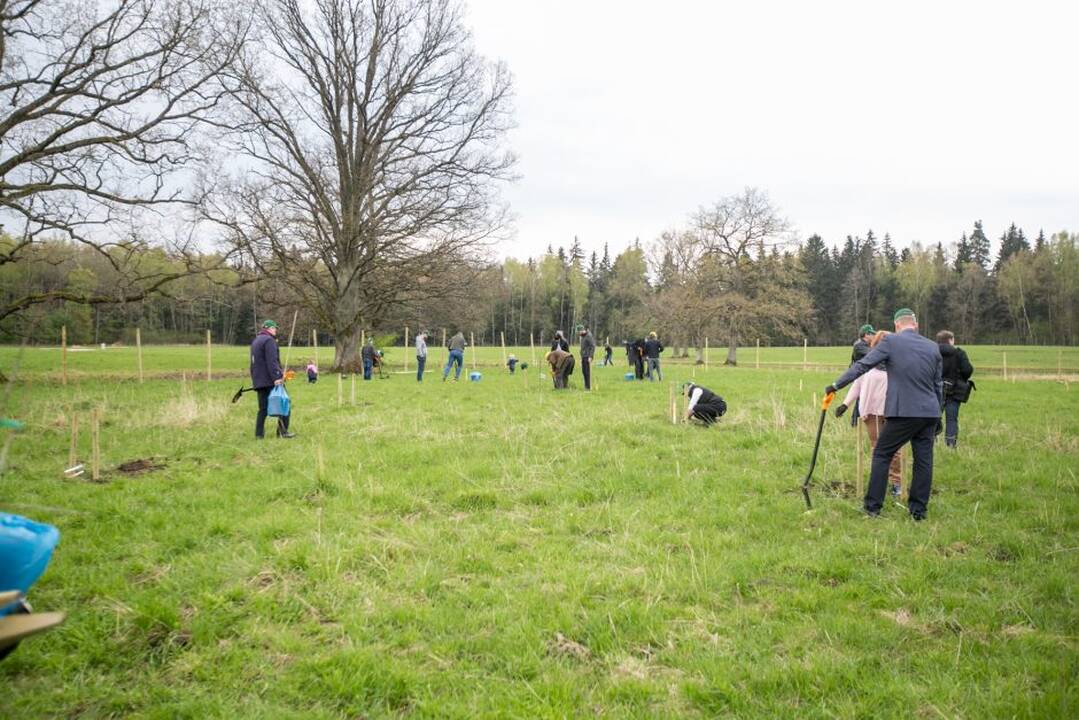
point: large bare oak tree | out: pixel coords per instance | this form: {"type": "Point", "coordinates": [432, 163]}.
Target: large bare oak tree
{"type": "Point", "coordinates": [370, 138]}
{"type": "Point", "coordinates": [99, 107]}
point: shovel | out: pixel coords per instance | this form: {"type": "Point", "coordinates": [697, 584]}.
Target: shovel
{"type": "Point", "coordinates": [816, 446]}
{"type": "Point", "coordinates": [240, 392]}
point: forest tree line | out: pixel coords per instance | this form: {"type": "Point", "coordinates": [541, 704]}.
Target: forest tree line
{"type": "Point", "coordinates": [1023, 292]}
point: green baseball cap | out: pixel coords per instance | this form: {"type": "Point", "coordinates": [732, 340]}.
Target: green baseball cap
{"type": "Point", "coordinates": [866, 329]}
{"type": "Point", "coordinates": [902, 312]}
{"type": "Point", "coordinates": [269, 324]}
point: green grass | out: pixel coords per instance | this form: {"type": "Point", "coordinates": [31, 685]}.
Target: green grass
{"type": "Point", "coordinates": [495, 549]}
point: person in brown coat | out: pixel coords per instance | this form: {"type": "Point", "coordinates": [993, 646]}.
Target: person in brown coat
{"type": "Point", "coordinates": [561, 363]}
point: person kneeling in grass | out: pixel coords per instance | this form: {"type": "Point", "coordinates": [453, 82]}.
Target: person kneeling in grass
{"type": "Point", "coordinates": [704, 405]}
{"type": "Point", "coordinates": [561, 363]}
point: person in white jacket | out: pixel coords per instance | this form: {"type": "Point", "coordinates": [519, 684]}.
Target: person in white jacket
{"type": "Point", "coordinates": [869, 391]}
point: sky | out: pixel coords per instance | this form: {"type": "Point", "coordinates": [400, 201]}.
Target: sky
{"type": "Point", "coordinates": [913, 118]}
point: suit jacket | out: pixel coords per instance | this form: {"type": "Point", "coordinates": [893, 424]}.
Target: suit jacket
{"type": "Point", "coordinates": [913, 364]}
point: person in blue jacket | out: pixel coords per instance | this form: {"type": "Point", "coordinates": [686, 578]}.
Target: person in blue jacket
{"type": "Point", "coordinates": [266, 373]}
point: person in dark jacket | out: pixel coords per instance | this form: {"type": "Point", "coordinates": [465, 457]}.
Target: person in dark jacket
{"type": "Point", "coordinates": [652, 348]}
{"type": "Point", "coordinates": [368, 354]}
{"type": "Point", "coordinates": [265, 374]}
{"type": "Point", "coordinates": [859, 351]}
{"type": "Point", "coordinates": [588, 351]}
{"type": "Point", "coordinates": [561, 363]}
{"type": "Point", "coordinates": [637, 357]}
{"type": "Point", "coordinates": [861, 345]}
{"type": "Point", "coordinates": [912, 408]}
{"type": "Point", "coordinates": [956, 372]}
{"type": "Point", "coordinates": [703, 404]}
{"type": "Point", "coordinates": [607, 353]}
{"type": "Point", "coordinates": [560, 342]}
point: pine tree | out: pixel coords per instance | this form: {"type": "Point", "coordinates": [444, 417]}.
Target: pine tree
{"type": "Point", "coordinates": [979, 246]}
{"type": "Point", "coordinates": [576, 254]}
{"type": "Point", "coordinates": [963, 253]}
{"type": "Point", "coordinates": [1011, 242]}
{"type": "Point", "coordinates": [888, 251]}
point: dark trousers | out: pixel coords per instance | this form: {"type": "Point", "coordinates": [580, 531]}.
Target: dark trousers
{"type": "Point", "coordinates": [638, 367]}
{"type": "Point", "coordinates": [897, 432]}
{"type": "Point", "coordinates": [586, 372]}
{"type": "Point", "coordinates": [260, 419]}
{"type": "Point", "coordinates": [421, 363]}
{"type": "Point", "coordinates": [607, 359]}
{"type": "Point", "coordinates": [951, 422]}
{"type": "Point", "coordinates": [708, 413]}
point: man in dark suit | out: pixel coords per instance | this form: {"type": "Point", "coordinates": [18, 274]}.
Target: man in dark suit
{"type": "Point", "coordinates": [912, 407]}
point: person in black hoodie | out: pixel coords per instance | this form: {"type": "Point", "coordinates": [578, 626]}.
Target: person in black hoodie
{"type": "Point", "coordinates": [861, 345]}
{"type": "Point", "coordinates": [956, 374]}
{"type": "Point", "coordinates": [560, 342]}
{"type": "Point", "coordinates": [637, 358]}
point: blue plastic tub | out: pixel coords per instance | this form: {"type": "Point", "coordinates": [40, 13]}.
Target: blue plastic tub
{"type": "Point", "coordinates": [629, 376]}
{"type": "Point", "coordinates": [475, 376]}
{"type": "Point", "coordinates": [25, 549]}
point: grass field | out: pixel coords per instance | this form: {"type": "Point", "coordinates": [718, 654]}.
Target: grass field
{"type": "Point", "coordinates": [496, 549]}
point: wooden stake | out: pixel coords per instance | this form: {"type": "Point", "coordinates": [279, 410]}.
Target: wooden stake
{"type": "Point", "coordinates": [1060, 367]}
{"type": "Point", "coordinates": [138, 349]}
{"type": "Point", "coordinates": [63, 354]}
{"type": "Point", "coordinates": [209, 360]}
{"type": "Point", "coordinates": [532, 342]}
{"type": "Point", "coordinates": [805, 353]}
{"type": "Point", "coordinates": [705, 353]}
{"type": "Point", "coordinates": [352, 392]}
{"type": "Point", "coordinates": [685, 404]}
{"type": "Point", "coordinates": [814, 399]}
{"type": "Point", "coordinates": [799, 384]}
{"type": "Point", "coordinates": [95, 444]}
{"type": "Point", "coordinates": [472, 337]}
{"type": "Point", "coordinates": [1005, 360]}
{"type": "Point", "coordinates": [502, 333]}
{"type": "Point", "coordinates": [758, 353]}
{"type": "Point", "coordinates": [314, 343]}
{"type": "Point", "coordinates": [671, 403]}
{"type": "Point", "coordinates": [363, 337]}
{"type": "Point", "coordinates": [340, 389]}
{"type": "Point", "coordinates": [444, 348]}
{"type": "Point", "coordinates": [73, 449]}
{"type": "Point", "coordinates": [859, 453]}
{"type": "Point", "coordinates": [406, 348]}
{"type": "Point", "coordinates": [288, 352]}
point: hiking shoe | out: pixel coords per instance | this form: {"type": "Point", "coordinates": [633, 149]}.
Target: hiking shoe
{"type": "Point", "coordinates": [286, 435]}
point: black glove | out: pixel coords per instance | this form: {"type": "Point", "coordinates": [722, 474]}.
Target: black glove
{"type": "Point", "coordinates": [840, 409]}
{"type": "Point", "coordinates": [829, 390]}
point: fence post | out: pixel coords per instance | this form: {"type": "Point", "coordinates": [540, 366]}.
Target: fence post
{"type": "Point", "coordinates": [63, 354]}
{"type": "Point", "coordinates": [138, 348]}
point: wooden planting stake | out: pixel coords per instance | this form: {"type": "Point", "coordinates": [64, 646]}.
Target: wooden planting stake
{"type": "Point", "coordinates": [814, 400]}
{"type": "Point", "coordinates": [314, 343]}
{"type": "Point", "coordinates": [363, 338]}
{"type": "Point", "coordinates": [532, 342]}
{"type": "Point", "coordinates": [705, 353]}
{"type": "Point", "coordinates": [1060, 367]}
{"type": "Point", "coordinates": [799, 384]}
{"type": "Point", "coordinates": [63, 354]}
{"type": "Point", "coordinates": [406, 348]}
{"type": "Point", "coordinates": [671, 404]}
{"type": "Point", "coordinates": [352, 392]}
{"type": "Point", "coordinates": [758, 353]}
{"type": "Point", "coordinates": [685, 404]}
{"type": "Point", "coordinates": [95, 444]}
{"type": "Point", "coordinates": [138, 350]}
{"type": "Point", "coordinates": [209, 361]}
{"type": "Point", "coordinates": [503, 334]}
{"type": "Point", "coordinates": [340, 390]}
{"type": "Point", "coordinates": [805, 353]}
{"type": "Point", "coordinates": [73, 450]}
{"type": "Point", "coordinates": [288, 352]}
{"type": "Point", "coordinates": [472, 337]}
{"type": "Point", "coordinates": [1005, 360]}
{"type": "Point", "coordinates": [858, 454]}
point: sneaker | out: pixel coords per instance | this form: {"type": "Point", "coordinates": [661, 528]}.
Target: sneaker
{"type": "Point", "coordinates": [286, 435]}
{"type": "Point", "coordinates": [896, 490]}
{"type": "Point", "coordinates": [871, 514]}
{"type": "Point", "coordinates": [917, 517]}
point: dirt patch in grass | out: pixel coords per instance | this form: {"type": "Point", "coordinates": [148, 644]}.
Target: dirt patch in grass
{"type": "Point", "coordinates": [140, 466]}
{"type": "Point", "coordinates": [562, 645]}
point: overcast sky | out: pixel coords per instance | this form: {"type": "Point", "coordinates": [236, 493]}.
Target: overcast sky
{"type": "Point", "coordinates": [912, 118]}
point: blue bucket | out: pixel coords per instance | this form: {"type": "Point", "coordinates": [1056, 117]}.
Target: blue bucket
{"type": "Point", "coordinates": [25, 549]}
{"type": "Point", "coordinates": [475, 376]}
{"type": "Point", "coordinates": [629, 376]}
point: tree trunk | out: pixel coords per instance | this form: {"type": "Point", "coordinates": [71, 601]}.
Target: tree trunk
{"type": "Point", "coordinates": [732, 348]}
{"type": "Point", "coordinates": [346, 355]}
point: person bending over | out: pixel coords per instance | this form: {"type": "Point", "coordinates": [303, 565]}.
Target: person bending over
{"type": "Point", "coordinates": [704, 405]}
{"type": "Point", "coordinates": [561, 363]}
